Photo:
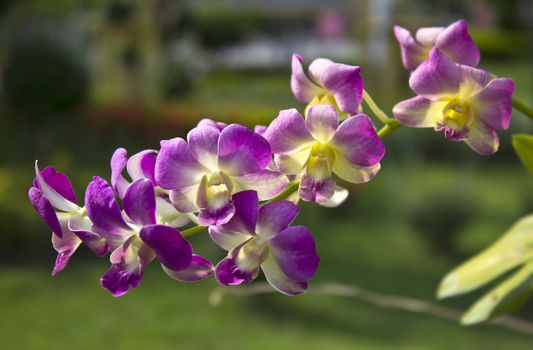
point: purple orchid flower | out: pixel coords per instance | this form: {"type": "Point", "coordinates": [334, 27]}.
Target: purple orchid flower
{"type": "Point", "coordinates": [332, 83]}
{"type": "Point", "coordinates": [461, 101]}
{"type": "Point", "coordinates": [260, 238]}
{"type": "Point", "coordinates": [142, 166]}
{"type": "Point", "coordinates": [213, 164]}
{"type": "Point", "coordinates": [454, 41]}
{"type": "Point", "coordinates": [53, 197]}
{"type": "Point", "coordinates": [136, 237]}
{"type": "Point", "coordinates": [317, 146]}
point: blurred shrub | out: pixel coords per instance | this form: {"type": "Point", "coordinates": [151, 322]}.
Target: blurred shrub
{"type": "Point", "coordinates": [176, 80]}
{"type": "Point", "coordinates": [43, 76]}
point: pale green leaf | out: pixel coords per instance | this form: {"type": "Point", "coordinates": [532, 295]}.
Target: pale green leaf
{"type": "Point", "coordinates": [504, 298]}
{"type": "Point", "coordinates": [514, 248]}
{"type": "Point", "coordinates": [523, 145]}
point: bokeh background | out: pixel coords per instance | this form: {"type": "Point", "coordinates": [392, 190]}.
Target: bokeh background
{"type": "Point", "coordinates": [79, 78]}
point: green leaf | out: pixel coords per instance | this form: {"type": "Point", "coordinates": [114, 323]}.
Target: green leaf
{"type": "Point", "coordinates": [523, 145]}
{"type": "Point", "coordinates": [504, 298]}
{"type": "Point", "coordinates": [514, 248]}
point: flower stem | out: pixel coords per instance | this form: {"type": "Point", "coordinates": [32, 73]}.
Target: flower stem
{"type": "Point", "coordinates": [389, 127]}
{"type": "Point", "coordinates": [522, 107]}
{"type": "Point", "coordinates": [193, 230]}
{"type": "Point", "coordinates": [375, 109]}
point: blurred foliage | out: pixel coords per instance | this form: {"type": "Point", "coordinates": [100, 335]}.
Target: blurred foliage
{"type": "Point", "coordinates": [523, 145]}
{"type": "Point", "coordinates": [43, 76]}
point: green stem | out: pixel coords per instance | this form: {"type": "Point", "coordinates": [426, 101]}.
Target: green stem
{"type": "Point", "coordinates": [392, 125]}
{"type": "Point", "coordinates": [522, 107]}
{"type": "Point", "coordinates": [193, 230]}
{"type": "Point", "coordinates": [375, 109]}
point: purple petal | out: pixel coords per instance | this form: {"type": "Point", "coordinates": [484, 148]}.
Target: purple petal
{"type": "Point", "coordinates": [81, 226]}
{"type": "Point", "coordinates": [216, 216]}
{"type": "Point", "coordinates": [59, 182]}
{"type": "Point", "coordinates": [241, 227]}
{"type": "Point", "coordinates": [346, 84]}
{"type": "Point", "coordinates": [418, 112]}
{"type": "Point", "coordinates": [322, 121]}
{"type": "Point", "coordinates": [473, 80]}
{"type": "Point", "coordinates": [142, 165]}
{"type": "Point", "coordinates": [312, 190]}
{"type": "Point", "coordinates": [241, 151]}
{"type": "Point", "coordinates": [209, 122]}
{"type": "Point", "coordinates": [203, 144]}
{"type": "Point", "coordinates": [118, 163]}
{"type": "Point", "coordinates": [267, 183]}
{"type": "Point", "coordinates": [65, 246]}
{"type": "Point", "coordinates": [303, 89]}
{"type": "Point", "coordinates": [172, 250]}
{"type": "Point", "coordinates": [413, 54]}
{"type": "Point", "coordinates": [357, 141]}
{"type": "Point", "coordinates": [279, 280]}
{"type": "Point", "coordinates": [456, 43]}
{"type": "Point", "coordinates": [176, 167]}
{"type": "Point", "coordinates": [139, 202]}
{"type": "Point", "coordinates": [199, 269]}
{"type": "Point", "coordinates": [260, 129]}
{"type": "Point", "coordinates": [56, 188]}
{"type": "Point", "coordinates": [104, 212]}
{"type": "Point", "coordinates": [493, 104]}
{"type": "Point", "coordinates": [275, 217]}
{"type": "Point", "coordinates": [288, 132]}
{"type": "Point", "coordinates": [45, 210]}
{"type": "Point", "coordinates": [482, 138]}
{"type": "Point", "coordinates": [295, 251]}
{"type": "Point", "coordinates": [437, 77]}
{"type": "Point", "coordinates": [128, 263]}
{"type": "Point", "coordinates": [293, 164]}
{"type": "Point", "coordinates": [338, 198]}
{"type": "Point", "coordinates": [229, 272]}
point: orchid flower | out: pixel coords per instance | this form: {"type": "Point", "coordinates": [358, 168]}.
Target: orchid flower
{"type": "Point", "coordinates": [461, 101]}
{"type": "Point", "coordinates": [53, 197]}
{"type": "Point", "coordinates": [203, 173]}
{"type": "Point", "coordinates": [260, 238]}
{"type": "Point", "coordinates": [332, 83]}
{"type": "Point", "coordinates": [317, 147]}
{"type": "Point", "coordinates": [136, 237]}
{"type": "Point", "coordinates": [454, 41]}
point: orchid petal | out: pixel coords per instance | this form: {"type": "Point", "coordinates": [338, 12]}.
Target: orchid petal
{"type": "Point", "coordinates": [456, 42]}
{"type": "Point", "coordinates": [65, 246]}
{"type": "Point", "coordinates": [340, 195]}
{"type": "Point", "coordinates": [482, 138]}
{"type": "Point", "coordinates": [352, 173]}
{"type": "Point", "coordinates": [345, 83]}
{"type": "Point", "coordinates": [45, 210]}
{"type": "Point", "coordinates": [279, 280]}
{"type": "Point", "coordinates": [419, 112]}
{"type": "Point", "coordinates": [357, 141]}
{"type": "Point", "coordinates": [139, 202]}
{"type": "Point", "coordinates": [56, 188]}
{"type": "Point", "coordinates": [184, 199]}
{"type": "Point", "coordinates": [241, 151]}
{"type": "Point", "coordinates": [312, 190]}
{"type": "Point", "coordinates": [427, 37]}
{"type": "Point", "coordinates": [493, 104]}
{"type": "Point", "coordinates": [437, 77]}
{"type": "Point", "coordinates": [82, 227]}
{"type": "Point", "coordinates": [322, 121]}
{"type": "Point", "coordinates": [203, 144]}
{"type": "Point", "coordinates": [142, 165]}
{"type": "Point", "coordinates": [275, 217]}
{"type": "Point", "coordinates": [119, 161]}
{"type": "Point", "coordinates": [199, 269]}
{"type": "Point", "coordinates": [413, 54]}
{"type": "Point", "coordinates": [288, 133]}
{"type": "Point", "coordinates": [171, 249]}
{"type": "Point", "coordinates": [294, 163]}
{"type": "Point", "coordinates": [303, 89]}
{"type": "Point", "coordinates": [267, 183]}
{"type": "Point", "coordinates": [176, 167]}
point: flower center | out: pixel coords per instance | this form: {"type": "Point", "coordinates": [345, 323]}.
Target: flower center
{"type": "Point", "coordinates": [456, 117]}
{"type": "Point", "coordinates": [320, 161]}
{"type": "Point", "coordinates": [253, 253]}
{"type": "Point", "coordinates": [215, 190]}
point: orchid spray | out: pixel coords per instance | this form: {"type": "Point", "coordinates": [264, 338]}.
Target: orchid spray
{"type": "Point", "coordinates": [243, 186]}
